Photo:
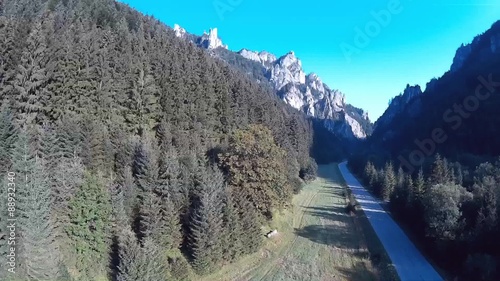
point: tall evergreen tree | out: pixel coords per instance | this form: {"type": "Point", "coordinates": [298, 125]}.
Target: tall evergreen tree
{"type": "Point", "coordinates": [146, 263]}
{"type": "Point", "coordinates": [89, 225]}
{"type": "Point", "coordinates": [390, 181]}
{"type": "Point", "coordinates": [7, 137]}
{"type": "Point", "coordinates": [207, 223]}
{"type": "Point", "coordinates": [38, 251]}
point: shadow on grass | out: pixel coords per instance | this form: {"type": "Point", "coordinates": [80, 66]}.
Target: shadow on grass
{"type": "Point", "coordinates": [358, 272]}
{"type": "Point", "coordinates": [327, 235]}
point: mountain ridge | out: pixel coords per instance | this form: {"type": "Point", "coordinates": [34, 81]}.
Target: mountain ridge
{"type": "Point", "coordinates": [305, 92]}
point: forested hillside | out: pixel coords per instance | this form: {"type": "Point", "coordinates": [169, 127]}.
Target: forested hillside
{"type": "Point", "coordinates": [435, 159]}
{"type": "Point", "coordinates": [136, 155]}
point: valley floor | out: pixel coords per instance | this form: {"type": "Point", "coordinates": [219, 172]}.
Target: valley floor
{"type": "Point", "coordinates": [317, 240]}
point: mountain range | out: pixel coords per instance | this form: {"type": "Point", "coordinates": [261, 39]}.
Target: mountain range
{"type": "Point", "coordinates": [286, 77]}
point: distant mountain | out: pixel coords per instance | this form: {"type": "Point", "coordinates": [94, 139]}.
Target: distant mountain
{"type": "Point", "coordinates": [287, 78]}
{"type": "Point", "coordinates": [463, 103]}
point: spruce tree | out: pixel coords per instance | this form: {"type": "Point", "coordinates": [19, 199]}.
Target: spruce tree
{"type": "Point", "coordinates": [390, 181]}
{"type": "Point", "coordinates": [89, 225]}
{"type": "Point", "coordinates": [232, 236]}
{"type": "Point", "coordinates": [251, 234]}
{"type": "Point", "coordinates": [38, 251]}
{"type": "Point", "coordinates": [146, 263]}
{"type": "Point", "coordinates": [159, 222]}
{"type": "Point", "coordinates": [207, 223]}
{"type": "Point", "coordinates": [26, 89]}
{"type": "Point", "coordinates": [440, 172]}
{"type": "Point", "coordinates": [7, 137]}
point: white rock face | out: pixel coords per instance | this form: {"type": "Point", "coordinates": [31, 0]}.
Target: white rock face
{"type": "Point", "coordinates": [211, 40]}
{"type": "Point", "coordinates": [356, 128]}
{"type": "Point", "coordinates": [310, 95]}
{"type": "Point", "coordinates": [179, 31]}
{"type": "Point", "coordinates": [263, 57]}
{"type": "Point", "coordinates": [287, 69]}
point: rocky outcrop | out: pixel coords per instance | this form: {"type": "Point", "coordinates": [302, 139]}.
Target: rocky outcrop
{"type": "Point", "coordinates": [179, 31]}
{"type": "Point", "coordinates": [265, 58]}
{"type": "Point", "coordinates": [400, 103]}
{"type": "Point", "coordinates": [287, 69]}
{"type": "Point", "coordinates": [211, 40]}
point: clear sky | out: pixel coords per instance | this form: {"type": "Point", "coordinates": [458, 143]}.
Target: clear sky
{"type": "Point", "coordinates": [404, 41]}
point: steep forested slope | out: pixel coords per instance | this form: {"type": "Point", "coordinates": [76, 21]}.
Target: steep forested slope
{"type": "Point", "coordinates": [471, 125]}
{"type": "Point", "coordinates": [451, 203]}
{"type": "Point", "coordinates": [136, 155]}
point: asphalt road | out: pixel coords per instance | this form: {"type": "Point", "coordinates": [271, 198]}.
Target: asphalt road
{"type": "Point", "coordinates": [410, 264]}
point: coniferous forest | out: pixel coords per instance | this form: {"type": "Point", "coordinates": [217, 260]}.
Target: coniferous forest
{"type": "Point", "coordinates": [135, 155]}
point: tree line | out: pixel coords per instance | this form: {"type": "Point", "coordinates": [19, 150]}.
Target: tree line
{"type": "Point", "coordinates": [451, 209]}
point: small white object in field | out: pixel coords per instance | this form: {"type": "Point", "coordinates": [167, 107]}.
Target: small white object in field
{"type": "Point", "coordinates": [272, 233]}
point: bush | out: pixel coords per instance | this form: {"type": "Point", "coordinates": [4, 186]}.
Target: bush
{"type": "Point", "coordinates": [308, 173]}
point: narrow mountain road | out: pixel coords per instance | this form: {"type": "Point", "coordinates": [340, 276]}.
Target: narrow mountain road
{"type": "Point", "coordinates": [410, 264]}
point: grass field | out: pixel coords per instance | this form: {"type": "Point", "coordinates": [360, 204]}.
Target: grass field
{"type": "Point", "coordinates": [317, 240]}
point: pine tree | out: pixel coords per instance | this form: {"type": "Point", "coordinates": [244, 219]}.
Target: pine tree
{"type": "Point", "coordinates": [159, 221]}
{"type": "Point", "coordinates": [440, 171]}
{"type": "Point", "coordinates": [233, 232]}
{"type": "Point", "coordinates": [145, 164]}
{"type": "Point", "coordinates": [38, 252]}
{"type": "Point", "coordinates": [207, 224]}
{"type": "Point", "coordinates": [7, 137]}
{"type": "Point", "coordinates": [142, 107]}
{"type": "Point", "coordinates": [390, 181]}
{"type": "Point", "coordinates": [67, 177]}
{"type": "Point", "coordinates": [251, 235]}
{"type": "Point", "coordinates": [169, 177]}
{"type": "Point", "coordinates": [137, 263]}
{"type": "Point", "coordinates": [420, 185]}
{"type": "Point", "coordinates": [26, 88]}
{"type": "Point", "coordinates": [89, 225]}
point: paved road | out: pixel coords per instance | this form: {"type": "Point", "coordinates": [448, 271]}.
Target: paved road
{"type": "Point", "coordinates": [410, 264]}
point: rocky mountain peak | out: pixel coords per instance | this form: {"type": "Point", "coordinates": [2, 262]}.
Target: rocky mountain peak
{"type": "Point", "coordinates": [211, 40]}
{"type": "Point", "coordinates": [288, 69]}
{"type": "Point", "coordinates": [179, 31]}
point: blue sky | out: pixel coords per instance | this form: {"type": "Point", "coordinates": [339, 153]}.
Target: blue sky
{"type": "Point", "coordinates": [404, 41]}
